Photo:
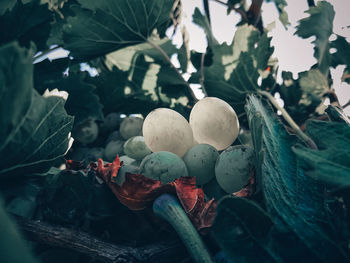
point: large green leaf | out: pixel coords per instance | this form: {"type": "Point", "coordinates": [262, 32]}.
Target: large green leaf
{"type": "Point", "coordinates": [236, 68]}
{"type": "Point", "coordinates": [342, 56]}
{"type": "Point", "coordinates": [12, 246]}
{"type": "Point", "coordinates": [320, 25]}
{"type": "Point", "coordinates": [294, 200]}
{"type": "Point", "coordinates": [25, 23]}
{"type": "Point", "coordinates": [330, 163]}
{"type": "Point", "coordinates": [34, 129]}
{"type": "Point", "coordinates": [242, 229]}
{"type": "Point", "coordinates": [100, 27]}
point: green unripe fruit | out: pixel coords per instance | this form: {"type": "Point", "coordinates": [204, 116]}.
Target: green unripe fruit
{"type": "Point", "coordinates": [95, 153]}
{"type": "Point", "coordinates": [110, 123]}
{"type": "Point", "coordinates": [163, 166]}
{"type": "Point", "coordinates": [233, 167]}
{"type": "Point", "coordinates": [113, 149]}
{"type": "Point", "coordinates": [120, 178]}
{"type": "Point", "coordinates": [86, 132]}
{"type": "Point", "coordinates": [131, 126]}
{"type": "Point", "coordinates": [126, 159]}
{"type": "Point", "coordinates": [136, 148]}
{"type": "Point", "coordinates": [200, 161]}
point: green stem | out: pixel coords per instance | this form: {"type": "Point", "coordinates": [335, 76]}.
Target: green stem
{"type": "Point", "coordinates": [168, 207]}
{"type": "Point", "coordinates": [289, 120]}
{"type": "Point", "coordinates": [166, 57]}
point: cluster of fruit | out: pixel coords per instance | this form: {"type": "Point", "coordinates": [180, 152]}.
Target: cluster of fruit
{"type": "Point", "coordinates": [165, 146]}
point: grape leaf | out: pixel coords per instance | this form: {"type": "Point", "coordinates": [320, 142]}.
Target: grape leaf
{"type": "Point", "coordinates": [294, 200]}
{"type": "Point", "coordinates": [313, 85]}
{"type": "Point", "coordinates": [283, 17]}
{"type": "Point", "coordinates": [100, 27]}
{"type": "Point", "coordinates": [236, 68]}
{"type": "Point", "coordinates": [342, 56]}
{"type": "Point", "coordinates": [320, 25]}
{"type": "Point", "coordinates": [242, 229]}
{"type": "Point", "coordinates": [330, 163]}
{"type": "Point", "coordinates": [34, 129]}
{"type": "Point", "coordinates": [202, 21]}
{"type": "Point", "coordinates": [12, 247]}
{"type": "Point", "coordinates": [25, 23]}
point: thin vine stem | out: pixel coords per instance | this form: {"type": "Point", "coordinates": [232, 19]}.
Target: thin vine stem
{"type": "Point", "coordinates": [289, 120]}
{"type": "Point", "coordinates": [166, 57]}
{"type": "Point", "coordinates": [239, 11]}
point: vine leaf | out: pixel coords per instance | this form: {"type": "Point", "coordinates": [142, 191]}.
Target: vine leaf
{"type": "Point", "coordinates": [294, 200]}
{"type": "Point", "coordinates": [100, 27]}
{"type": "Point", "coordinates": [242, 229]}
{"type": "Point", "coordinates": [330, 163]}
{"type": "Point", "coordinates": [35, 129]}
{"type": "Point", "coordinates": [25, 23]}
{"type": "Point", "coordinates": [236, 68]}
{"type": "Point", "coordinates": [342, 56]}
{"type": "Point", "coordinates": [13, 247]}
{"type": "Point", "coordinates": [320, 25]}
{"type": "Point", "coordinates": [281, 5]}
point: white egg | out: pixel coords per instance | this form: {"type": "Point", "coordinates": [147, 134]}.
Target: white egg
{"type": "Point", "coordinates": [167, 130]}
{"type": "Point", "coordinates": [214, 122]}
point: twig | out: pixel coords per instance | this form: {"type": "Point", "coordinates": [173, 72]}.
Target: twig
{"type": "Point", "coordinates": [311, 3]}
{"type": "Point", "coordinates": [289, 120]}
{"type": "Point", "coordinates": [201, 80]}
{"type": "Point", "coordinates": [239, 11]}
{"type": "Point", "coordinates": [97, 249]}
{"type": "Point", "coordinates": [254, 14]}
{"type": "Point", "coordinates": [346, 105]}
{"type": "Point", "coordinates": [165, 55]}
{"type": "Point", "coordinates": [206, 9]}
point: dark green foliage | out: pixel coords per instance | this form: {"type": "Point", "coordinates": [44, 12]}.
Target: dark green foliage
{"type": "Point", "coordinates": [12, 247]}
{"type": "Point", "coordinates": [320, 25]}
{"type": "Point", "coordinates": [112, 25]}
{"type": "Point", "coordinates": [25, 23]}
{"type": "Point", "coordinates": [294, 200]}
{"type": "Point", "coordinates": [34, 129]}
{"type": "Point", "coordinates": [242, 230]}
{"type": "Point", "coordinates": [330, 163]}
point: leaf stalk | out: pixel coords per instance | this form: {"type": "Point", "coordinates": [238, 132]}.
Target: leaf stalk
{"type": "Point", "coordinates": [289, 120]}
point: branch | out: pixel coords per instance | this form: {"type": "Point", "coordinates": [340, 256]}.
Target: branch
{"type": "Point", "coordinates": [239, 11]}
{"type": "Point", "coordinates": [97, 249]}
{"type": "Point", "coordinates": [346, 104]}
{"type": "Point", "coordinates": [254, 14]}
{"type": "Point", "coordinates": [289, 120]}
{"type": "Point", "coordinates": [202, 78]}
{"type": "Point", "coordinates": [206, 9]}
{"type": "Point", "coordinates": [311, 3]}
{"type": "Point", "coordinates": [166, 57]}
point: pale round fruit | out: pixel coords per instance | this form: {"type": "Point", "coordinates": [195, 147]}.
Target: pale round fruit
{"type": "Point", "coordinates": [136, 148]}
{"type": "Point", "coordinates": [233, 168]}
{"type": "Point", "coordinates": [200, 161]}
{"type": "Point", "coordinates": [214, 122]}
{"type": "Point", "coordinates": [167, 130]}
{"type": "Point", "coordinates": [131, 126]}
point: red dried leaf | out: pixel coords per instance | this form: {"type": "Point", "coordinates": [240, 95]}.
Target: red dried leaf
{"type": "Point", "coordinates": [187, 192]}
{"type": "Point", "coordinates": [249, 189]}
{"type": "Point", "coordinates": [201, 213]}
{"type": "Point", "coordinates": [139, 192]}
